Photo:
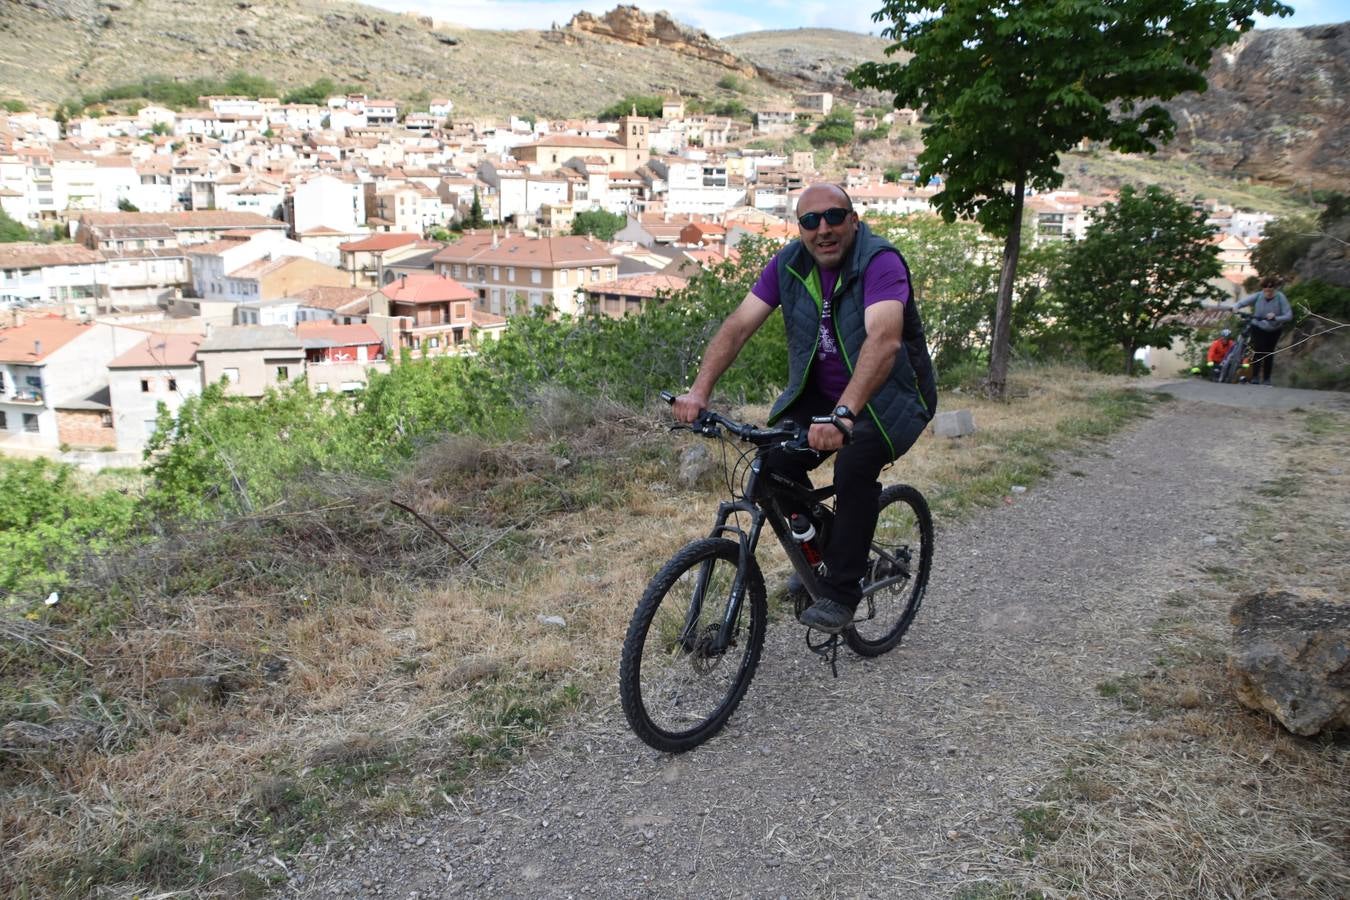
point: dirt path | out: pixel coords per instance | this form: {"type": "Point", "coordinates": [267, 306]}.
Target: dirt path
{"type": "Point", "coordinates": [901, 778]}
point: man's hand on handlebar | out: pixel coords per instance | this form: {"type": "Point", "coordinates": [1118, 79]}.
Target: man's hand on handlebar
{"type": "Point", "coordinates": [687, 406]}
{"type": "Point", "coordinates": [825, 437]}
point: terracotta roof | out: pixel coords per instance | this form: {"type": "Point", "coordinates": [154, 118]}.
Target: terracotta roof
{"type": "Point", "coordinates": [328, 334]}
{"type": "Point", "coordinates": [202, 218]}
{"type": "Point", "coordinates": [161, 351]}
{"type": "Point", "coordinates": [425, 289]}
{"type": "Point", "coordinates": [323, 297]}
{"type": "Point", "coordinates": [639, 285]}
{"type": "Point", "coordinates": [320, 231]}
{"type": "Point", "coordinates": [548, 253]}
{"type": "Point", "coordinates": [250, 337]}
{"type": "Point", "coordinates": [576, 140]}
{"type": "Point", "coordinates": [213, 247]}
{"type": "Point", "coordinates": [379, 242]}
{"type": "Point", "coordinates": [484, 319]}
{"type": "Point", "coordinates": [21, 344]}
{"type": "Point", "coordinates": [262, 267]}
{"type": "Point", "coordinates": [30, 255]}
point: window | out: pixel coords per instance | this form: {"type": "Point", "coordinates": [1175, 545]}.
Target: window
{"type": "Point", "coordinates": [283, 373]}
{"type": "Point", "coordinates": [232, 376]}
{"type": "Point", "coordinates": [457, 270]}
{"type": "Point", "coordinates": [149, 426]}
{"type": "Point", "coordinates": [595, 273]}
{"type": "Point", "coordinates": [173, 384]}
{"type": "Point", "coordinates": [496, 273]}
{"type": "Point", "coordinates": [145, 385]}
{"type": "Point", "coordinates": [30, 423]}
{"type": "Point", "coordinates": [536, 276]}
{"type": "Point", "coordinates": [510, 273]}
{"type": "Point", "coordinates": [105, 419]}
{"type": "Point", "coordinates": [4, 421]}
{"type": "Point", "coordinates": [322, 388]}
{"type": "Point", "coordinates": [562, 277]}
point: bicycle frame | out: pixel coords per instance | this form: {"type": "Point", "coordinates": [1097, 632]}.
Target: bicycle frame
{"type": "Point", "coordinates": [761, 510]}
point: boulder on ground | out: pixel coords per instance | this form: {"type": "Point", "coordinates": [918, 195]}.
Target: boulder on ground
{"type": "Point", "coordinates": [695, 464]}
{"type": "Point", "coordinates": [1291, 658]}
{"type": "Point", "coordinates": [954, 424]}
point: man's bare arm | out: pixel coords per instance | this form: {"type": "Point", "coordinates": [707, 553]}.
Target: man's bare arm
{"type": "Point", "coordinates": [722, 350]}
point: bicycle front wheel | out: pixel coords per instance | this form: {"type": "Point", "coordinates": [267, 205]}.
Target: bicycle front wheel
{"type": "Point", "coordinates": [683, 673]}
{"type": "Point", "coordinates": [897, 572]}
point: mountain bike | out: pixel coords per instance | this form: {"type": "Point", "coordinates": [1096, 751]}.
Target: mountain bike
{"type": "Point", "coordinates": [696, 635]}
{"type": "Point", "coordinates": [1230, 370]}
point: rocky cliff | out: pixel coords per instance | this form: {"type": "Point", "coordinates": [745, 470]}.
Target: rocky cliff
{"type": "Point", "coordinates": [1276, 109]}
{"type": "Point", "coordinates": [630, 25]}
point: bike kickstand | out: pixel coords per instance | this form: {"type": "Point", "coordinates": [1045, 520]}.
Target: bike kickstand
{"type": "Point", "coordinates": [827, 649]}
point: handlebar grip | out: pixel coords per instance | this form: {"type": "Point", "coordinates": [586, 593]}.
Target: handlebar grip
{"type": "Point", "coordinates": [668, 397]}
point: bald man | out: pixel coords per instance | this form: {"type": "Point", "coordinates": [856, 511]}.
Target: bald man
{"type": "Point", "coordinates": [858, 364]}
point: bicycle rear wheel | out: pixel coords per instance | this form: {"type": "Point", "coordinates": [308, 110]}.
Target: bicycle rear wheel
{"type": "Point", "coordinates": [678, 683]}
{"type": "Point", "coordinates": [897, 572]}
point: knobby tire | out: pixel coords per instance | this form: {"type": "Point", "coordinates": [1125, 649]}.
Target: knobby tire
{"type": "Point", "coordinates": [905, 532]}
{"type": "Point", "coordinates": [677, 688]}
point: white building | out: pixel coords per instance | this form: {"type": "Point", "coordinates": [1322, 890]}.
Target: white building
{"type": "Point", "coordinates": [49, 273]}
{"type": "Point", "coordinates": [162, 369]}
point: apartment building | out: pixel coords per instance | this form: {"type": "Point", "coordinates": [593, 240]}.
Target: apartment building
{"type": "Point", "coordinates": [160, 370]}
{"type": "Point", "coordinates": [33, 274]}
{"type": "Point", "coordinates": [512, 274]}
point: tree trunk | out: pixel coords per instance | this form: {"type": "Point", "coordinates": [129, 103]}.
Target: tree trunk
{"type": "Point", "coordinates": [1129, 358]}
{"type": "Point", "coordinates": [997, 384]}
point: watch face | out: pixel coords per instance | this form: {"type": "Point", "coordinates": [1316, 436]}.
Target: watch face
{"type": "Point", "coordinates": [843, 412]}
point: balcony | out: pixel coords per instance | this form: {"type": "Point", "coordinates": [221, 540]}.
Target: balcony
{"type": "Point", "coordinates": [30, 398]}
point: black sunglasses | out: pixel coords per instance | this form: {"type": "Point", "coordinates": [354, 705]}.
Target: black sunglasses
{"type": "Point", "coordinates": [835, 215]}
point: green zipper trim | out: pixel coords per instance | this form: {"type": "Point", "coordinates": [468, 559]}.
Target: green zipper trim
{"type": "Point", "coordinates": [839, 342]}
{"type": "Point", "coordinates": [812, 285]}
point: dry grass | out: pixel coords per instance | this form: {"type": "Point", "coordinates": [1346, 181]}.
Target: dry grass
{"type": "Point", "coordinates": [1211, 800]}
{"type": "Point", "coordinates": [364, 671]}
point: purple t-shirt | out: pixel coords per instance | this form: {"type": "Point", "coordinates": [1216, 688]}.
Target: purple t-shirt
{"type": "Point", "coordinates": [884, 280]}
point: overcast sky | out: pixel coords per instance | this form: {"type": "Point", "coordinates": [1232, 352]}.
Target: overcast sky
{"type": "Point", "coordinates": [721, 18]}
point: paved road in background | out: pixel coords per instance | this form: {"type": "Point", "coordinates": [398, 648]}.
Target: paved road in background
{"type": "Point", "coordinates": [1250, 396]}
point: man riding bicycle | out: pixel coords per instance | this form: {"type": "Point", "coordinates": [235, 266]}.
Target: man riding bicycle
{"type": "Point", "coordinates": [859, 374]}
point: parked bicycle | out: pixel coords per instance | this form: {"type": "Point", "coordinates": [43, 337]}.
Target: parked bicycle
{"type": "Point", "coordinates": [695, 638]}
{"type": "Point", "coordinates": [1230, 371]}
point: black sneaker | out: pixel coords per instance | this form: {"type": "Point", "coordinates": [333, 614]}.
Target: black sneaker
{"type": "Point", "coordinates": [829, 616]}
{"type": "Point", "coordinates": [794, 585]}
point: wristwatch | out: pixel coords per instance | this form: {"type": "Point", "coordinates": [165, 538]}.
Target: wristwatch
{"type": "Point", "coordinates": [843, 412]}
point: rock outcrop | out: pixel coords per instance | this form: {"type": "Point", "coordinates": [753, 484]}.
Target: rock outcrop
{"type": "Point", "coordinates": [1291, 658]}
{"type": "Point", "coordinates": [630, 25]}
{"type": "Point", "coordinates": [1276, 108]}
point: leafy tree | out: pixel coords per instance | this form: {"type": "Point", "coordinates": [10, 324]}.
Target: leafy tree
{"type": "Point", "coordinates": [316, 93]}
{"type": "Point", "coordinates": [1284, 242]}
{"type": "Point", "coordinates": [836, 128]}
{"type": "Point", "coordinates": [645, 106]}
{"type": "Point", "coordinates": [1006, 88]}
{"type": "Point", "coordinates": [48, 521]}
{"type": "Point", "coordinates": [12, 231]}
{"type": "Point", "coordinates": [475, 219]}
{"type": "Point", "coordinates": [731, 82]}
{"type": "Point", "coordinates": [952, 279]}
{"type": "Point", "coordinates": [598, 222]}
{"type": "Point", "coordinates": [126, 205]}
{"type": "Point", "coordinates": [1145, 259]}
{"type": "Point", "coordinates": [14, 106]}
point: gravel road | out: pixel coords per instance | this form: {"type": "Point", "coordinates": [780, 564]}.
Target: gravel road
{"type": "Point", "coordinates": [903, 776]}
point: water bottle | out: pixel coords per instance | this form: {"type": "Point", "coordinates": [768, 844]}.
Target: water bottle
{"type": "Point", "coordinates": [804, 533]}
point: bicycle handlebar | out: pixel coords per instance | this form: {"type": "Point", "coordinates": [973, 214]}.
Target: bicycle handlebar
{"type": "Point", "coordinates": [789, 436]}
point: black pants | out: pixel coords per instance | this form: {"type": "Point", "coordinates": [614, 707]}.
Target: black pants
{"type": "Point", "coordinates": [1263, 352]}
{"type": "Point", "coordinates": [859, 463]}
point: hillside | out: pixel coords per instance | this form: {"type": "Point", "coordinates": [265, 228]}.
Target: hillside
{"type": "Point", "coordinates": [1274, 112]}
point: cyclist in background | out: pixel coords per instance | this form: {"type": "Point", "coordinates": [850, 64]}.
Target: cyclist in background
{"type": "Point", "coordinates": [859, 374]}
{"type": "Point", "coordinates": [1270, 313]}
{"type": "Point", "coordinates": [1218, 350]}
